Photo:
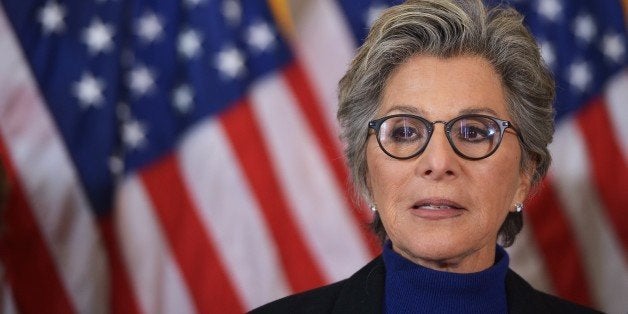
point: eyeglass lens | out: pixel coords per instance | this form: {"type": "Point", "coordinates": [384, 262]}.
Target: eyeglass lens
{"type": "Point", "coordinates": [472, 137]}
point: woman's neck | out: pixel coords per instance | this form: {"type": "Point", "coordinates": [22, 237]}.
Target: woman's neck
{"type": "Point", "coordinates": [467, 262]}
{"type": "Point", "coordinates": [411, 288]}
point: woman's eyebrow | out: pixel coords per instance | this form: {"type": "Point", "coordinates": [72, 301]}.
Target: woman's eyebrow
{"type": "Point", "coordinates": [406, 109]}
{"type": "Point", "coordinates": [418, 111]}
{"type": "Point", "coordinates": [483, 110]}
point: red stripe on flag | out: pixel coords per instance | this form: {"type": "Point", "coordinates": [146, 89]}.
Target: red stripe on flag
{"type": "Point", "coordinates": [249, 146]}
{"type": "Point", "coordinates": [123, 300]}
{"type": "Point", "coordinates": [37, 287]}
{"type": "Point", "coordinates": [188, 239]}
{"type": "Point", "coordinates": [608, 167]}
{"type": "Point", "coordinates": [558, 245]}
{"type": "Point", "coordinates": [311, 108]}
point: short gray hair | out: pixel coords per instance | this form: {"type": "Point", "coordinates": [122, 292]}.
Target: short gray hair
{"type": "Point", "coordinates": [449, 28]}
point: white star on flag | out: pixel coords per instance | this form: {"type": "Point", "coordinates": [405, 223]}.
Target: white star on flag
{"type": "Point", "coordinates": [134, 134]}
{"type": "Point", "coordinates": [547, 53]}
{"type": "Point", "coordinates": [51, 17]}
{"type": "Point", "coordinates": [232, 11]}
{"type": "Point", "coordinates": [98, 36]}
{"type": "Point", "coordinates": [550, 9]}
{"type": "Point", "coordinates": [580, 75]}
{"type": "Point", "coordinates": [189, 43]}
{"type": "Point", "coordinates": [373, 14]}
{"type": "Point", "coordinates": [141, 80]}
{"type": "Point", "coordinates": [613, 47]}
{"type": "Point", "coordinates": [116, 165]}
{"type": "Point", "coordinates": [230, 62]}
{"type": "Point", "coordinates": [193, 3]}
{"type": "Point", "coordinates": [89, 91]}
{"type": "Point", "coordinates": [149, 27]}
{"type": "Point", "coordinates": [260, 36]}
{"type": "Point", "coordinates": [182, 98]}
{"type": "Point", "coordinates": [584, 28]}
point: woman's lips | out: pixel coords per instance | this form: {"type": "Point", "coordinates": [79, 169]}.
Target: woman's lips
{"type": "Point", "coordinates": [437, 209]}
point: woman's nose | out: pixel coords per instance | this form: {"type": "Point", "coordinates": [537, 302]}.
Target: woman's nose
{"type": "Point", "coordinates": [438, 161]}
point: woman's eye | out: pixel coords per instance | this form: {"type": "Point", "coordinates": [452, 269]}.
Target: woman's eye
{"type": "Point", "coordinates": [404, 134]}
{"type": "Point", "coordinates": [474, 134]}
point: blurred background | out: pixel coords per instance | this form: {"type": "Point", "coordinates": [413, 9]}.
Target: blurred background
{"type": "Point", "coordinates": [183, 156]}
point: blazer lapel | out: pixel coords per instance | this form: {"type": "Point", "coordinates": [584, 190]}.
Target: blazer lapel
{"type": "Point", "coordinates": [522, 298]}
{"type": "Point", "coordinates": [364, 291]}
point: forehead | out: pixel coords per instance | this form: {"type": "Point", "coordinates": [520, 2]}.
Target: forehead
{"type": "Point", "coordinates": [438, 88]}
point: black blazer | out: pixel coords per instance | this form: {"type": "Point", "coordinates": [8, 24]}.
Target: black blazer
{"type": "Point", "coordinates": [363, 293]}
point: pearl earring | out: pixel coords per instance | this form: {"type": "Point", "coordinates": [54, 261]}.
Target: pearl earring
{"type": "Point", "coordinates": [518, 207]}
{"type": "Point", "coordinates": [373, 208]}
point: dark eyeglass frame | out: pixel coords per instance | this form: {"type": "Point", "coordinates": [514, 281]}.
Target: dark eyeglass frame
{"type": "Point", "coordinates": [503, 125]}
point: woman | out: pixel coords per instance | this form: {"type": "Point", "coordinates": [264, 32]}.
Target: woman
{"type": "Point", "coordinates": [447, 113]}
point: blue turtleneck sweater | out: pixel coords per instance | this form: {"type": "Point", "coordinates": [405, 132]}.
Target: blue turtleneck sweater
{"type": "Point", "coordinates": [411, 288]}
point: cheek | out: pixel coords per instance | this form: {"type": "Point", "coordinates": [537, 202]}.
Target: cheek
{"type": "Point", "coordinates": [376, 174]}
{"type": "Point", "coordinates": [498, 185]}
{"type": "Point", "coordinates": [384, 176]}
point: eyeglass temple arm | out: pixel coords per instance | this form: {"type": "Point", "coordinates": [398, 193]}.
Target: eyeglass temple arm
{"type": "Point", "coordinates": [507, 125]}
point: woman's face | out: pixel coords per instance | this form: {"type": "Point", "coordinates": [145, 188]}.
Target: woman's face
{"type": "Point", "coordinates": [440, 210]}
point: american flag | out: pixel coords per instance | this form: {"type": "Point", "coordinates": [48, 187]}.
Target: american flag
{"type": "Point", "coordinates": [182, 156]}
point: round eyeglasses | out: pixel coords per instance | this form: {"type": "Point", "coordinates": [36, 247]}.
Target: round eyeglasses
{"type": "Point", "coordinates": [472, 136]}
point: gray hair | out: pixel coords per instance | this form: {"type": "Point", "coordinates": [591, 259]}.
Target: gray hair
{"type": "Point", "coordinates": [449, 28]}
